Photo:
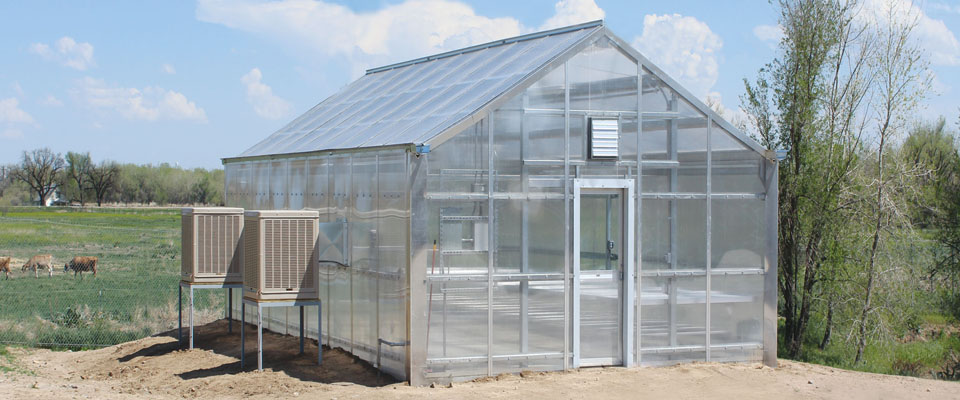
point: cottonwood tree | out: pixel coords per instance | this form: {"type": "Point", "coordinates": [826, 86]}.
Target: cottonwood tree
{"type": "Point", "coordinates": [810, 102]}
{"type": "Point", "coordinates": [902, 77]}
{"type": "Point", "coordinates": [40, 169]}
{"type": "Point", "coordinates": [102, 178]}
{"type": "Point", "coordinates": [78, 170]}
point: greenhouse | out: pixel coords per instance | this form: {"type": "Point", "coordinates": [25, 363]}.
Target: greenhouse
{"type": "Point", "coordinates": [544, 202]}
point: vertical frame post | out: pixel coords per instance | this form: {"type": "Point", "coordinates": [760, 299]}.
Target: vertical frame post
{"type": "Point", "coordinates": [491, 241]}
{"type": "Point", "coordinates": [771, 214]}
{"type": "Point", "coordinates": [191, 317]}
{"type": "Point", "coordinates": [229, 310]}
{"type": "Point", "coordinates": [524, 232]}
{"type": "Point", "coordinates": [576, 274]}
{"type": "Point", "coordinates": [709, 260]}
{"type": "Point", "coordinates": [567, 327]}
{"type": "Point", "coordinates": [301, 329]}
{"type": "Point", "coordinates": [243, 322]}
{"type": "Point", "coordinates": [259, 337]}
{"type": "Point", "coordinates": [638, 239]}
{"type": "Point", "coordinates": [179, 315]}
{"type": "Point", "coordinates": [629, 290]}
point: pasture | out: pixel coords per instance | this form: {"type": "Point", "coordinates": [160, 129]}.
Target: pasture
{"type": "Point", "coordinates": [133, 295]}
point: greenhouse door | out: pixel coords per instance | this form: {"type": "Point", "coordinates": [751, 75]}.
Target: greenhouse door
{"type": "Point", "coordinates": [602, 274]}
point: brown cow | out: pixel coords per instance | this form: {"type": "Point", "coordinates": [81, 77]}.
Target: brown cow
{"type": "Point", "coordinates": [5, 266]}
{"type": "Point", "coordinates": [79, 264]}
{"type": "Point", "coordinates": [39, 261]}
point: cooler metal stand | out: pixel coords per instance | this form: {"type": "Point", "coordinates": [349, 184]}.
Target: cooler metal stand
{"type": "Point", "coordinates": [228, 286]}
{"type": "Point", "coordinates": [260, 307]}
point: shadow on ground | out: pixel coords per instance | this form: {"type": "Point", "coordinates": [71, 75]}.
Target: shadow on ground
{"type": "Point", "coordinates": [281, 354]}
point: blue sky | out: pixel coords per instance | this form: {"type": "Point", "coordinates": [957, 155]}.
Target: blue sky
{"type": "Point", "coordinates": [192, 82]}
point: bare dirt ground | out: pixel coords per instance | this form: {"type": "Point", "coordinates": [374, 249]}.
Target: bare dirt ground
{"type": "Point", "coordinates": [155, 368]}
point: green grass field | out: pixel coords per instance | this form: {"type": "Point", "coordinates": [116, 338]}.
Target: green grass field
{"type": "Point", "coordinates": [135, 291]}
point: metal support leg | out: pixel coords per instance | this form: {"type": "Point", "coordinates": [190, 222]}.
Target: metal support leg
{"type": "Point", "coordinates": [229, 310]}
{"type": "Point", "coordinates": [191, 317]}
{"type": "Point", "coordinates": [319, 334]}
{"type": "Point", "coordinates": [179, 315]}
{"type": "Point", "coordinates": [259, 337]}
{"type": "Point", "coordinates": [243, 323]}
{"type": "Point", "coordinates": [301, 329]}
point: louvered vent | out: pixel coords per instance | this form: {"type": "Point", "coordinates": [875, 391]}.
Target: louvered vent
{"type": "Point", "coordinates": [604, 138]}
{"type": "Point", "coordinates": [286, 259]}
{"type": "Point", "coordinates": [211, 245]}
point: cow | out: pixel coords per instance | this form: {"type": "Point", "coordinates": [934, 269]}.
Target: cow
{"type": "Point", "coordinates": [39, 261]}
{"type": "Point", "coordinates": [80, 264]}
{"type": "Point", "coordinates": [5, 266]}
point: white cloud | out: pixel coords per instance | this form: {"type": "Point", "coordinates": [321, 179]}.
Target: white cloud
{"type": "Point", "coordinates": [168, 69]}
{"type": "Point", "coordinates": [572, 12]}
{"type": "Point", "coordinates": [948, 8]}
{"type": "Point", "coordinates": [12, 117]}
{"type": "Point", "coordinates": [12, 133]}
{"type": "Point", "coordinates": [148, 104]}
{"type": "Point", "coordinates": [769, 34]}
{"type": "Point", "coordinates": [261, 97]}
{"type": "Point", "coordinates": [933, 35]}
{"type": "Point", "coordinates": [393, 33]}
{"type": "Point", "coordinates": [17, 89]}
{"type": "Point", "coordinates": [67, 52]}
{"type": "Point", "coordinates": [10, 112]}
{"type": "Point", "coordinates": [684, 47]}
{"type": "Point", "coordinates": [51, 101]}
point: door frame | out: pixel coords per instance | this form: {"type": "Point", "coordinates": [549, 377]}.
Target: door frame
{"type": "Point", "coordinates": [626, 187]}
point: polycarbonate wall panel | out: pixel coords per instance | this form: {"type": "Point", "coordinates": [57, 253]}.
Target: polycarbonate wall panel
{"type": "Point", "coordinates": [296, 184]}
{"type": "Point", "coordinates": [363, 248]}
{"type": "Point", "coordinates": [739, 234]}
{"type": "Point", "coordinates": [365, 300]}
{"type": "Point", "coordinates": [602, 78]}
{"type": "Point", "coordinates": [393, 222]}
{"type": "Point", "coordinates": [736, 168]}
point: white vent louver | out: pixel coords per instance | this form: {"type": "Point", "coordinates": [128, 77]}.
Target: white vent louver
{"type": "Point", "coordinates": [280, 258]}
{"type": "Point", "coordinates": [210, 242]}
{"type": "Point", "coordinates": [604, 138]}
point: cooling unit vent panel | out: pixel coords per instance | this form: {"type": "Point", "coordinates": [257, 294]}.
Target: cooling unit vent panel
{"type": "Point", "coordinates": [210, 240]}
{"type": "Point", "coordinates": [288, 253]}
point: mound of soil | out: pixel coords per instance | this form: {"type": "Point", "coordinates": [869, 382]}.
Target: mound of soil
{"type": "Point", "coordinates": [156, 367]}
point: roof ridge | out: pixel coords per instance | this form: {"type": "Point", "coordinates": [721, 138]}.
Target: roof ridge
{"type": "Point", "coordinates": [451, 53]}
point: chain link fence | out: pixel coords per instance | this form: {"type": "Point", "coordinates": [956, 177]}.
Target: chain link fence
{"type": "Point", "coordinates": [133, 295]}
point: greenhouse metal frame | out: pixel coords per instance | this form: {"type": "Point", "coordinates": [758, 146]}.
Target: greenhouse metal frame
{"type": "Point", "coordinates": [544, 202]}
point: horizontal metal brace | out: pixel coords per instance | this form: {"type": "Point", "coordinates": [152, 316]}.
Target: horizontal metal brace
{"type": "Point", "coordinates": [509, 357]}
{"type": "Point", "coordinates": [462, 252]}
{"type": "Point", "coordinates": [496, 277]}
{"type": "Point", "coordinates": [690, 349]}
{"type": "Point", "coordinates": [668, 273]}
{"type": "Point", "coordinates": [464, 218]}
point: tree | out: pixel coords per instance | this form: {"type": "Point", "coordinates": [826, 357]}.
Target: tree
{"type": "Point", "coordinates": [78, 170]}
{"type": "Point", "coordinates": [902, 78]}
{"type": "Point", "coordinates": [809, 101]}
{"type": "Point", "coordinates": [6, 173]}
{"type": "Point", "coordinates": [40, 169]}
{"type": "Point", "coordinates": [102, 178]}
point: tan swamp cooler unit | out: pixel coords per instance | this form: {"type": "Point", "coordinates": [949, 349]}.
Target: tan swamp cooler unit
{"type": "Point", "coordinates": [280, 259]}
{"type": "Point", "coordinates": [211, 245]}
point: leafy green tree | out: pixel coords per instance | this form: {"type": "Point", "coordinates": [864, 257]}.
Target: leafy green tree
{"type": "Point", "coordinates": [78, 171]}
{"type": "Point", "coordinates": [810, 101]}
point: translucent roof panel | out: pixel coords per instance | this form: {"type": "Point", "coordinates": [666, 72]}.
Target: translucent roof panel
{"type": "Point", "coordinates": [414, 101]}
